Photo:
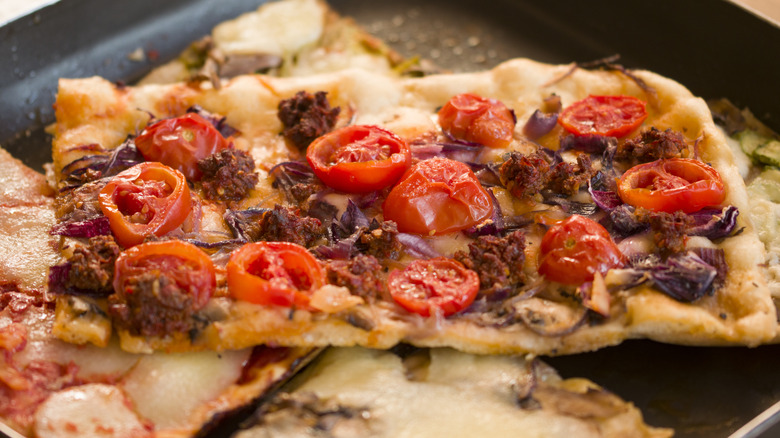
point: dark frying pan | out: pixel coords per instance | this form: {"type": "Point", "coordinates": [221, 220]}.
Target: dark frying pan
{"type": "Point", "coordinates": [714, 47]}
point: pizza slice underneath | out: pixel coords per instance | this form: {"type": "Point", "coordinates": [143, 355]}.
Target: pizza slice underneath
{"type": "Point", "coordinates": [50, 388]}
{"type": "Point", "coordinates": [351, 392]}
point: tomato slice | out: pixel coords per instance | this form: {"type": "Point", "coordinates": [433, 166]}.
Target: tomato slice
{"type": "Point", "coordinates": [573, 250]}
{"type": "Point", "coordinates": [274, 273]}
{"type": "Point", "coordinates": [182, 262]}
{"type": "Point", "coordinates": [359, 158]}
{"type": "Point", "coordinates": [673, 184]}
{"type": "Point", "coordinates": [437, 196]}
{"type": "Point", "coordinates": [146, 199]}
{"type": "Point", "coordinates": [441, 285]}
{"type": "Point", "coordinates": [181, 142]}
{"type": "Point", "coordinates": [476, 119]}
{"type": "Point", "coordinates": [613, 116]}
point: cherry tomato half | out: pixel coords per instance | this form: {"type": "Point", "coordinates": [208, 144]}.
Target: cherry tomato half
{"type": "Point", "coordinates": [181, 142]}
{"type": "Point", "coordinates": [613, 116]}
{"type": "Point", "coordinates": [673, 184]}
{"type": "Point", "coordinates": [476, 119]}
{"type": "Point", "coordinates": [575, 249]}
{"type": "Point", "coordinates": [427, 286]}
{"type": "Point", "coordinates": [274, 273]}
{"type": "Point", "coordinates": [359, 158]}
{"type": "Point", "coordinates": [146, 199]}
{"type": "Point", "coordinates": [437, 196]}
{"type": "Point", "coordinates": [184, 263]}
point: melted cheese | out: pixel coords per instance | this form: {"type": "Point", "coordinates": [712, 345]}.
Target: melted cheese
{"type": "Point", "coordinates": [26, 248]}
{"type": "Point", "coordinates": [168, 388]}
{"type": "Point", "coordinates": [93, 410]}
{"type": "Point", "coordinates": [277, 28]}
{"type": "Point", "coordinates": [460, 395]}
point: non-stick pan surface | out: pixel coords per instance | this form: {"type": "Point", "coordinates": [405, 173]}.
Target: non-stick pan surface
{"type": "Point", "coordinates": [714, 47]}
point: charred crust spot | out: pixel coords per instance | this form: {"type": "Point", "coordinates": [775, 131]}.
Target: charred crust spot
{"type": "Point", "coordinates": [228, 175]}
{"type": "Point", "coordinates": [306, 117]}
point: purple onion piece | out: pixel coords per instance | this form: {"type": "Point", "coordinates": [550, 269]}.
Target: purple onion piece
{"type": "Point", "coordinates": [457, 150]}
{"type": "Point", "coordinates": [322, 210]}
{"type": "Point", "coordinates": [684, 277]}
{"type": "Point", "coordinates": [292, 172]}
{"type": "Point", "coordinates": [237, 221]}
{"type": "Point", "coordinates": [605, 200]}
{"type": "Point", "coordinates": [352, 220]}
{"type": "Point", "coordinates": [416, 246]}
{"type": "Point", "coordinates": [608, 161]}
{"type": "Point", "coordinates": [487, 174]}
{"type": "Point", "coordinates": [340, 250]}
{"type": "Point", "coordinates": [539, 124]}
{"type": "Point", "coordinates": [122, 157]}
{"type": "Point", "coordinates": [716, 258]}
{"type": "Point", "coordinates": [219, 123]}
{"type": "Point", "coordinates": [58, 276]}
{"type": "Point", "coordinates": [714, 223]}
{"type": "Point", "coordinates": [98, 226]}
{"type": "Point", "coordinates": [494, 226]}
{"type": "Point", "coordinates": [460, 141]}
{"type": "Point", "coordinates": [289, 173]}
{"type": "Point", "coordinates": [590, 143]}
{"type": "Point", "coordinates": [603, 181]}
{"type": "Point", "coordinates": [58, 280]}
{"type": "Point", "coordinates": [354, 217]}
{"type": "Point", "coordinates": [623, 221]}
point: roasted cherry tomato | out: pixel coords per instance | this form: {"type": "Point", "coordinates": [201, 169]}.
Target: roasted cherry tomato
{"type": "Point", "coordinates": [613, 116]}
{"type": "Point", "coordinates": [359, 158]}
{"type": "Point", "coordinates": [437, 196]}
{"type": "Point", "coordinates": [183, 262]}
{"type": "Point", "coordinates": [436, 285]}
{"type": "Point", "coordinates": [672, 184]}
{"type": "Point", "coordinates": [146, 199]}
{"type": "Point", "coordinates": [479, 120]}
{"type": "Point", "coordinates": [274, 273]}
{"type": "Point", "coordinates": [181, 142]}
{"type": "Point", "coordinates": [572, 251]}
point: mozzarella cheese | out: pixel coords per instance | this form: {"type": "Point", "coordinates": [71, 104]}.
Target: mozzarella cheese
{"type": "Point", "coordinates": [455, 395]}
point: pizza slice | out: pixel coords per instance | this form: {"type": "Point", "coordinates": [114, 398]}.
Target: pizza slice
{"type": "Point", "coordinates": [418, 392]}
{"type": "Point", "coordinates": [49, 388]}
{"type": "Point", "coordinates": [283, 38]}
{"type": "Point", "coordinates": [494, 212]}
